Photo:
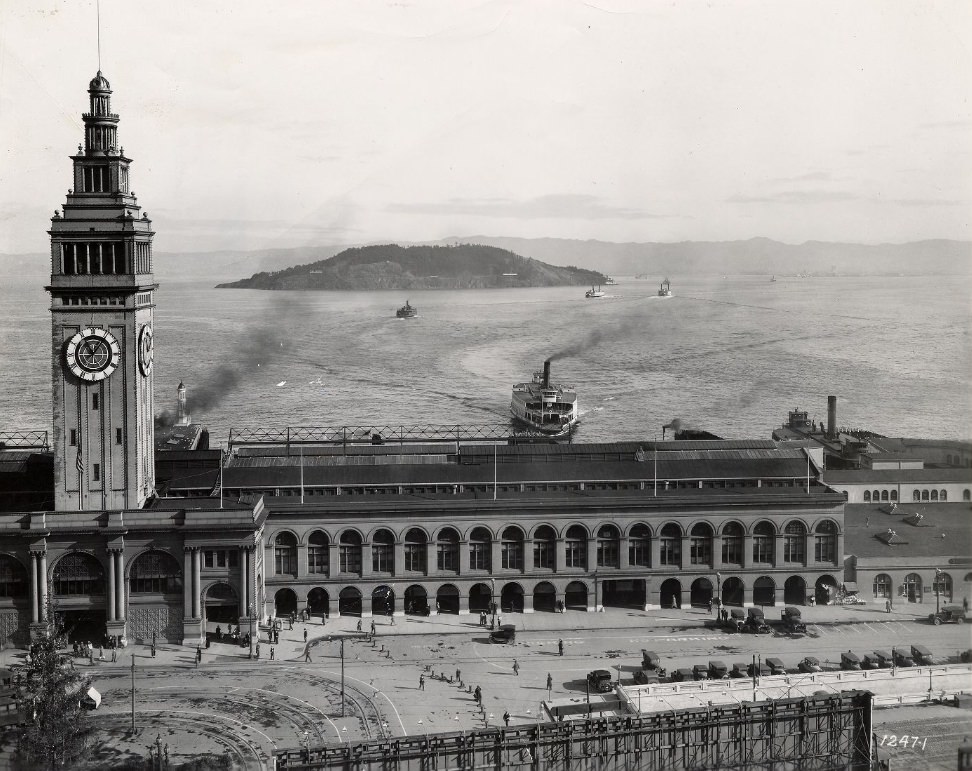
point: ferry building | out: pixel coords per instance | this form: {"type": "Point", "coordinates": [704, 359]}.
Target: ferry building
{"type": "Point", "coordinates": [133, 535]}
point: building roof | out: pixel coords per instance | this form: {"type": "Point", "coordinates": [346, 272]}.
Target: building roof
{"type": "Point", "coordinates": [894, 476]}
{"type": "Point", "coordinates": [944, 530]}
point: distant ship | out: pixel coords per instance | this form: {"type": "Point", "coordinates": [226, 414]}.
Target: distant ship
{"type": "Point", "coordinates": [407, 311]}
{"type": "Point", "coordinates": [592, 292]}
{"type": "Point", "coordinates": [773, 280]}
{"type": "Point", "coordinates": [665, 290]}
{"type": "Point", "coordinates": [544, 406]}
{"type": "Point", "coordinates": [610, 281]}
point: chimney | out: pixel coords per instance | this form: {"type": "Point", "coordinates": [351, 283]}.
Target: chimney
{"type": "Point", "coordinates": [546, 374]}
{"type": "Point", "coordinates": [831, 417]}
{"type": "Point", "coordinates": [182, 414]}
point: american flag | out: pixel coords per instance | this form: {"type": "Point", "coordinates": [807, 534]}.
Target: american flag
{"type": "Point", "coordinates": [80, 462]}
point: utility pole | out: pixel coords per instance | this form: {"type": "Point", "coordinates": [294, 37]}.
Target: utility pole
{"type": "Point", "coordinates": [133, 692]}
{"type": "Point", "coordinates": [342, 677]}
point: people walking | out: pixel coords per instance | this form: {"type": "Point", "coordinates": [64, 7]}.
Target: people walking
{"type": "Point", "coordinates": [114, 654]}
{"type": "Point", "coordinates": [305, 635]}
{"type": "Point", "coordinates": [372, 626]}
{"type": "Point", "coordinates": [478, 695]}
{"type": "Point", "coordinates": [458, 676]}
{"type": "Point", "coordinates": [560, 647]}
{"type": "Point", "coordinates": [887, 606]}
{"type": "Point", "coordinates": [421, 682]}
{"type": "Point", "coordinates": [258, 650]}
{"type": "Point", "coordinates": [549, 685]}
{"type": "Point", "coordinates": [358, 627]}
{"type": "Point", "coordinates": [307, 656]}
{"type": "Point", "coordinates": [506, 718]}
{"type": "Point", "coordinates": [516, 668]}
{"type": "Point", "coordinates": [198, 655]}
{"type": "Point", "coordinates": [271, 653]}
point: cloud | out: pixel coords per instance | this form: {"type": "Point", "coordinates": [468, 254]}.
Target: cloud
{"type": "Point", "coordinates": [812, 176]}
{"type": "Point", "coordinates": [555, 206]}
{"type": "Point", "coordinates": [796, 197]}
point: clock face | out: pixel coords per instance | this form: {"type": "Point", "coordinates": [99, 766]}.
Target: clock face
{"type": "Point", "coordinates": [93, 354]}
{"type": "Point", "coordinates": [146, 350]}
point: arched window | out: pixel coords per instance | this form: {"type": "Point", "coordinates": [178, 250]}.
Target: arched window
{"type": "Point", "coordinates": [639, 546]}
{"type": "Point", "coordinates": [13, 577]}
{"type": "Point", "coordinates": [511, 548]}
{"type": "Point", "coordinates": [480, 542]}
{"type": "Point", "coordinates": [383, 552]}
{"type": "Point", "coordinates": [883, 587]}
{"type": "Point", "coordinates": [349, 552]}
{"type": "Point", "coordinates": [942, 586]}
{"type": "Point", "coordinates": [825, 542]}
{"type": "Point", "coordinates": [700, 544]}
{"type": "Point", "coordinates": [894, 495]}
{"type": "Point", "coordinates": [671, 544]}
{"type": "Point", "coordinates": [447, 550]}
{"type": "Point", "coordinates": [967, 494]}
{"type": "Point", "coordinates": [318, 552]}
{"type": "Point", "coordinates": [608, 545]}
{"type": "Point", "coordinates": [78, 573]}
{"type": "Point", "coordinates": [545, 548]}
{"type": "Point", "coordinates": [867, 496]}
{"type": "Point", "coordinates": [884, 495]}
{"type": "Point", "coordinates": [916, 496]}
{"type": "Point", "coordinates": [416, 550]}
{"type": "Point", "coordinates": [912, 587]}
{"type": "Point", "coordinates": [763, 537]}
{"type": "Point", "coordinates": [795, 543]}
{"type": "Point", "coordinates": [943, 495]}
{"type": "Point", "coordinates": [732, 544]}
{"type": "Point", "coordinates": [876, 496]}
{"type": "Point", "coordinates": [924, 495]}
{"type": "Point", "coordinates": [934, 495]}
{"type": "Point", "coordinates": [576, 545]}
{"type": "Point", "coordinates": [155, 572]}
{"type": "Point", "coordinates": [285, 554]}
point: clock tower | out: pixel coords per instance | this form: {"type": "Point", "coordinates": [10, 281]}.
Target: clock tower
{"type": "Point", "coordinates": [102, 299]}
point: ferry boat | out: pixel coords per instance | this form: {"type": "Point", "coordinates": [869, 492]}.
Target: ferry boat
{"type": "Point", "coordinates": [665, 290]}
{"type": "Point", "coordinates": [610, 281]}
{"type": "Point", "coordinates": [407, 311]}
{"type": "Point", "coordinates": [592, 292]}
{"type": "Point", "coordinates": [544, 406]}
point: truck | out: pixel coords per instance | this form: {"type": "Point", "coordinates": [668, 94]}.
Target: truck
{"type": "Point", "coordinates": [756, 622]}
{"type": "Point", "coordinates": [949, 614]}
{"type": "Point", "coordinates": [792, 621]}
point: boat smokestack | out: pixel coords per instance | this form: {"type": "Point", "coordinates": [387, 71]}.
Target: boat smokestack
{"type": "Point", "coordinates": [831, 417]}
{"type": "Point", "coordinates": [182, 415]}
{"type": "Point", "coordinates": [546, 374]}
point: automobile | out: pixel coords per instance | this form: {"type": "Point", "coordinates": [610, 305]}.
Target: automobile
{"type": "Point", "coordinates": [792, 621]}
{"type": "Point", "coordinates": [922, 655]}
{"type": "Point", "coordinates": [883, 659]}
{"type": "Point", "coordinates": [506, 634]}
{"type": "Point", "coordinates": [764, 671]}
{"type": "Point", "coordinates": [739, 669]}
{"type": "Point", "coordinates": [650, 660]}
{"type": "Point", "coordinates": [810, 664]}
{"type": "Point", "coordinates": [966, 655]}
{"type": "Point", "coordinates": [736, 620]}
{"type": "Point", "coordinates": [870, 661]}
{"type": "Point", "coordinates": [599, 680]}
{"type": "Point", "coordinates": [718, 670]}
{"type": "Point", "coordinates": [683, 674]}
{"type": "Point", "coordinates": [850, 660]}
{"type": "Point", "coordinates": [700, 672]}
{"type": "Point", "coordinates": [902, 658]}
{"type": "Point", "coordinates": [777, 667]}
{"type": "Point", "coordinates": [756, 622]}
{"type": "Point", "coordinates": [949, 614]}
{"type": "Point", "coordinates": [647, 677]}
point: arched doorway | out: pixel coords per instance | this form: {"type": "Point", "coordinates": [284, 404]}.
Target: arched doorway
{"type": "Point", "coordinates": [284, 602]}
{"type": "Point", "coordinates": [222, 606]}
{"type": "Point", "coordinates": [825, 590]}
{"type": "Point", "coordinates": [480, 597]}
{"type": "Point", "coordinates": [155, 598]}
{"type": "Point", "coordinates": [318, 601]}
{"type": "Point", "coordinates": [701, 592]}
{"type": "Point", "coordinates": [544, 596]}
{"type": "Point", "coordinates": [511, 598]}
{"type": "Point", "coordinates": [447, 599]}
{"type": "Point", "coordinates": [349, 602]}
{"type": "Point", "coordinates": [575, 596]}
{"type": "Point", "coordinates": [416, 601]}
{"type": "Point", "coordinates": [79, 579]}
{"type": "Point", "coordinates": [795, 591]}
{"type": "Point", "coordinates": [912, 587]}
{"type": "Point", "coordinates": [671, 593]}
{"type": "Point", "coordinates": [623, 593]}
{"type": "Point", "coordinates": [733, 592]}
{"type": "Point", "coordinates": [383, 601]}
{"type": "Point", "coordinates": [764, 591]}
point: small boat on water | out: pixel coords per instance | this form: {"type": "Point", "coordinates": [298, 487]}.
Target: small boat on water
{"type": "Point", "coordinates": [592, 292]}
{"type": "Point", "coordinates": [543, 406]}
{"type": "Point", "coordinates": [610, 281]}
{"type": "Point", "coordinates": [773, 280]}
{"type": "Point", "coordinates": [665, 290]}
{"type": "Point", "coordinates": [407, 311]}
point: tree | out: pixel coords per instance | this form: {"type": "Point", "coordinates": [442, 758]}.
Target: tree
{"type": "Point", "coordinates": [49, 697]}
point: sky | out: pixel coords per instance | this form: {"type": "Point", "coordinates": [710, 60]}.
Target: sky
{"type": "Point", "coordinates": [257, 124]}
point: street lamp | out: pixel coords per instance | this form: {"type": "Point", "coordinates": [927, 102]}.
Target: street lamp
{"type": "Point", "coordinates": [595, 590]}
{"type": "Point", "coordinates": [492, 597]}
{"type": "Point", "coordinates": [719, 589]}
{"type": "Point", "coordinates": [938, 585]}
{"type": "Point", "coordinates": [249, 614]}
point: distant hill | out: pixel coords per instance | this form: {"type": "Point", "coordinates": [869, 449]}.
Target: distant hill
{"type": "Point", "coordinates": [390, 266]}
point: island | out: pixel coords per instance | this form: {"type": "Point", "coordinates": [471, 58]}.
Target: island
{"type": "Point", "coordinates": [390, 266]}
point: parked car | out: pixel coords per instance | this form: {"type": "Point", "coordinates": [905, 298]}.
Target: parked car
{"type": "Point", "coordinates": [777, 667]}
{"type": "Point", "coordinates": [764, 670]}
{"type": "Point", "coordinates": [647, 677]}
{"type": "Point", "coordinates": [850, 660]}
{"type": "Point", "coordinates": [950, 614]}
{"type": "Point", "coordinates": [870, 661]}
{"type": "Point", "coordinates": [756, 622]}
{"type": "Point", "coordinates": [883, 659]}
{"type": "Point", "coordinates": [966, 655]}
{"type": "Point", "coordinates": [650, 660]}
{"type": "Point", "coordinates": [739, 669]}
{"type": "Point", "coordinates": [736, 620]}
{"type": "Point", "coordinates": [718, 670]}
{"type": "Point", "coordinates": [683, 674]}
{"type": "Point", "coordinates": [922, 655]}
{"type": "Point", "coordinates": [700, 672]}
{"type": "Point", "coordinates": [902, 657]}
{"type": "Point", "coordinates": [506, 634]}
{"type": "Point", "coordinates": [599, 680]}
{"type": "Point", "coordinates": [810, 664]}
{"type": "Point", "coordinates": [792, 621]}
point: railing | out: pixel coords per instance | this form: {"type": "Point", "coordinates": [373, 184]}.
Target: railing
{"type": "Point", "coordinates": [384, 434]}
{"type": "Point", "coordinates": [24, 439]}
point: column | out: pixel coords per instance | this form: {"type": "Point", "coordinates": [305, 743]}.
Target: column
{"type": "Point", "coordinates": [592, 554]}
{"type": "Point", "coordinates": [111, 585]}
{"type": "Point", "coordinates": [778, 552]}
{"type": "Point", "coordinates": [34, 589]}
{"type": "Point", "coordinates": [463, 558]}
{"type": "Point", "coordinates": [495, 557]}
{"type": "Point", "coordinates": [399, 571]}
{"type": "Point", "coordinates": [332, 560]}
{"type": "Point", "coordinates": [43, 586]}
{"type": "Point", "coordinates": [431, 558]}
{"type": "Point", "coordinates": [717, 552]}
{"type": "Point", "coordinates": [366, 562]}
{"type": "Point", "coordinates": [301, 559]}
{"type": "Point", "coordinates": [251, 581]}
{"type": "Point", "coordinates": [624, 553]}
{"type": "Point", "coordinates": [187, 582]}
{"type": "Point", "coordinates": [528, 602]}
{"type": "Point", "coordinates": [528, 561]}
{"type": "Point", "coordinates": [808, 551]}
{"type": "Point", "coordinates": [747, 555]}
{"type": "Point", "coordinates": [561, 562]}
{"type": "Point", "coordinates": [120, 604]}
{"type": "Point", "coordinates": [196, 582]}
{"type": "Point", "coordinates": [686, 557]}
{"type": "Point", "coordinates": [244, 589]}
{"type": "Point", "coordinates": [655, 553]}
{"type": "Point", "coordinates": [839, 556]}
